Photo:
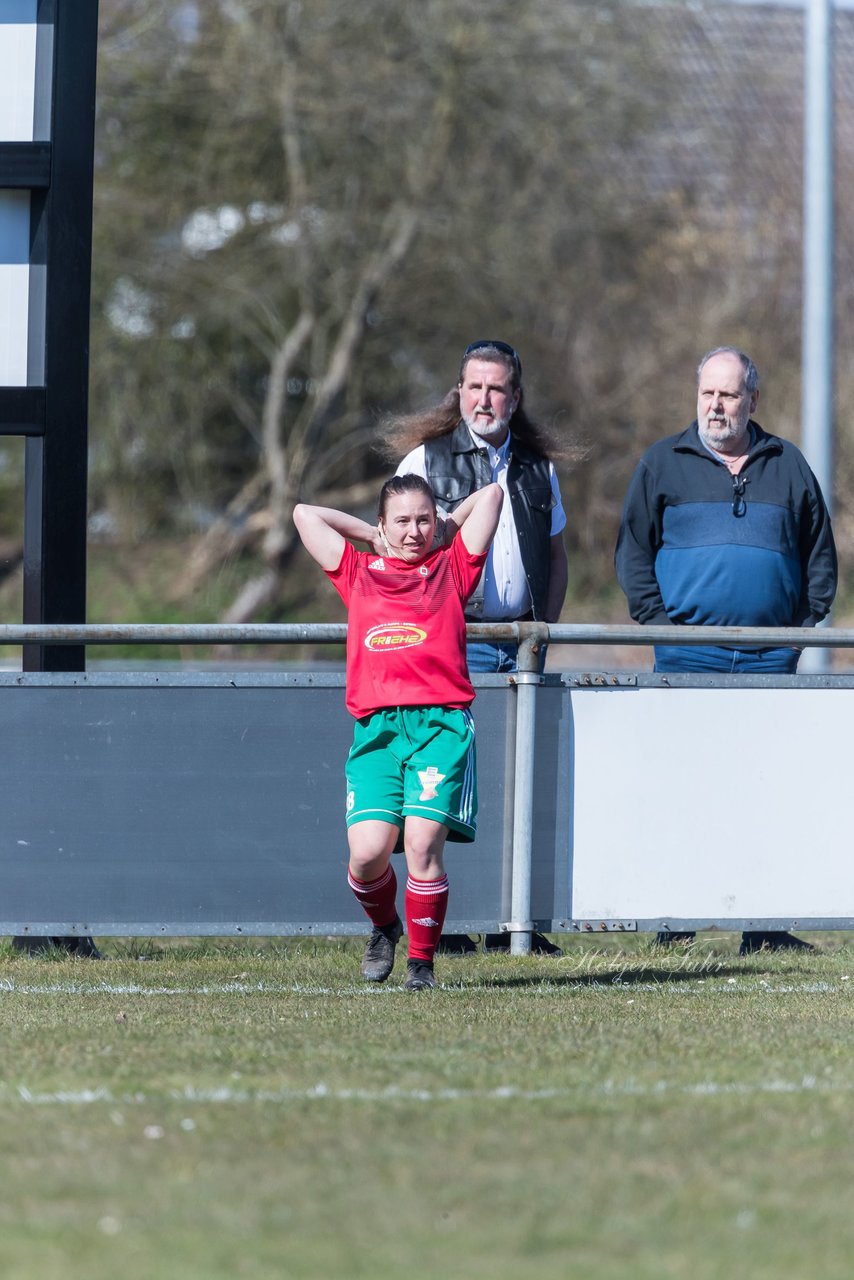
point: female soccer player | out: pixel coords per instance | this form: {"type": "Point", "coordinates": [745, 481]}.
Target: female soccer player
{"type": "Point", "coordinates": [412, 764]}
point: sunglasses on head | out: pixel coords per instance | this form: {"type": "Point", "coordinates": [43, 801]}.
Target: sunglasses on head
{"type": "Point", "coordinates": [499, 346]}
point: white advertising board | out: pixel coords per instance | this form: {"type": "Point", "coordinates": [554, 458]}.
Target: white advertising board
{"type": "Point", "coordinates": [14, 286]}
{"type": "Point", "coordinates": [718, 804]}
{"type": "Point", "coordinates": [17, 69]}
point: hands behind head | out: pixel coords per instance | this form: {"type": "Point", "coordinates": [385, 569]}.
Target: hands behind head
{"type": "Point", "coordinates": [378, 542]}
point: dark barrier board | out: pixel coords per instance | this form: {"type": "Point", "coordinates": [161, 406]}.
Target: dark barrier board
{"type": "Point", "coordinates": [215, 805]}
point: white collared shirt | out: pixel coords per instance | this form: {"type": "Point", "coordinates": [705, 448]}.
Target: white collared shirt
{"type": "Point", "coordinates": [505, 591]}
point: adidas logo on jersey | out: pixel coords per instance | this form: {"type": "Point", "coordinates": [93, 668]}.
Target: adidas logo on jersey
{"type": "Point", "coordinates": [379, 563]}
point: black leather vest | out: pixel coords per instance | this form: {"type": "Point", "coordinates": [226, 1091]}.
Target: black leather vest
{"type": "Point", "coordinates": [456, 467]}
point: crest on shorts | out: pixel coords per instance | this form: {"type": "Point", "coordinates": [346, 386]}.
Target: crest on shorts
{"type": "Point", "coordinates": [429, 779]}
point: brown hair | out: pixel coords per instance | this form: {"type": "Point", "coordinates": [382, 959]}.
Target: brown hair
{"type": "Point", "coordinates": [410, 483]}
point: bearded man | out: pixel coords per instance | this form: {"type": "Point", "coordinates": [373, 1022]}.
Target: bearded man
{"type": "Point", "coordinates": [478, 435]}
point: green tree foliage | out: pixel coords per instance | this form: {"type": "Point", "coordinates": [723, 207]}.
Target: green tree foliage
{"type": "Point", "coordinates": [305, 211]}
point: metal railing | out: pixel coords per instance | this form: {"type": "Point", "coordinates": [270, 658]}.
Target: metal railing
{"type": "Point", "coordinates": [530, 637]}
{"type": "Point", "coordinates": [523, 633]}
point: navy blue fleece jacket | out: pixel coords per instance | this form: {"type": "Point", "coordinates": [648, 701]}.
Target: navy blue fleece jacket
{"type": "Point", "coordinates": [698, 546]}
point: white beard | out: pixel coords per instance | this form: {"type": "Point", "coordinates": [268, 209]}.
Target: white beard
{"type": "Point", "coordinates": [718, 434]}
{"type": "Point", "coordinates": [492, 430]}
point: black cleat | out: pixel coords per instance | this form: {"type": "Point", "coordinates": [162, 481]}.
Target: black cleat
{"type": "Point", "coordinates": [456, 944]}
{"type": "Point", "coordinates": [419, 975]}
{"type": "Point", "coordinates": [669, 938]}
{"type": "Point", "coordinates": [771, 940]}
{"type": "Point", "coordinates": [38, 944]}
{"type": "Point", "coordinates": [540, 945]}
{"type": "Point", "coordinates": [378, 960]}
{"type": "Point", "coordinates": [83, 946]}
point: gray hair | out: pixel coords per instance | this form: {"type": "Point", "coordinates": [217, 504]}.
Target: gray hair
{"type": "Point", "coordinates": [751, 373]}
{"type": "Point", "coordinates": [495, 353]}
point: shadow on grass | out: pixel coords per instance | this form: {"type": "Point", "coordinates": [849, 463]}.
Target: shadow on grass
{"type": "Point", "coordinates": [615, 978]}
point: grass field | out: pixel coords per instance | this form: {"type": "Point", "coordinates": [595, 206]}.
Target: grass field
{"type": "Point", "coordinates": [239, 1110]}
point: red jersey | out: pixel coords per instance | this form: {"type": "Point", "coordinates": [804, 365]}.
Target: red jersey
{"type": "Point", "coordinates": [406, 634]}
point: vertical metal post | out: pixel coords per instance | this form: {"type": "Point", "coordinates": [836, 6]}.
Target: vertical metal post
{"type": "Point", "coordinates": [60, 255]}
{"type": "Point", "coordinates": [55, 477]}
{"type": "Point", "coordinates": [817, 317]}
{"type": "Point", "coordinates": [506, 908]}
{"type": "Point", "coordinates": [531, 637]}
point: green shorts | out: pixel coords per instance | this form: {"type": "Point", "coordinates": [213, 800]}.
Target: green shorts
{"type": "Point", "coordinates": [417, 761]}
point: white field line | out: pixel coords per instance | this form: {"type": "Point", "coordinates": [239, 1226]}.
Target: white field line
{"type": "Point", "coordinates": [9, 986]}
{"type": "Point", "coordinates": [228, 1095]}
{"type": "Point", "coordinates": [701, 986]}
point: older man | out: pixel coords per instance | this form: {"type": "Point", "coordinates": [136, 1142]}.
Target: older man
{"type": "Point", "coordinates": [480, 433]}
{"type": "Point", "coordinates": [725, 525]}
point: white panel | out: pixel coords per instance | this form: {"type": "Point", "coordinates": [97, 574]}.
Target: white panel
{"type": "Point", "coordinates": [712, 803]}
{"type": "Point", "coordinates": [17, 73]}
{"type": "Point", "coordinates": [14, 285]}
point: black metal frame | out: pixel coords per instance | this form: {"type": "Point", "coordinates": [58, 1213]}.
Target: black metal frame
{"type": "Point", "coordinates": [51, 412]}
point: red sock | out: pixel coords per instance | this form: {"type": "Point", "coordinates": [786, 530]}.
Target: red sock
{"type": "Point", "coordinates": [426, 904]}
{"type": "Point", "coordinates": [377, 896]}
